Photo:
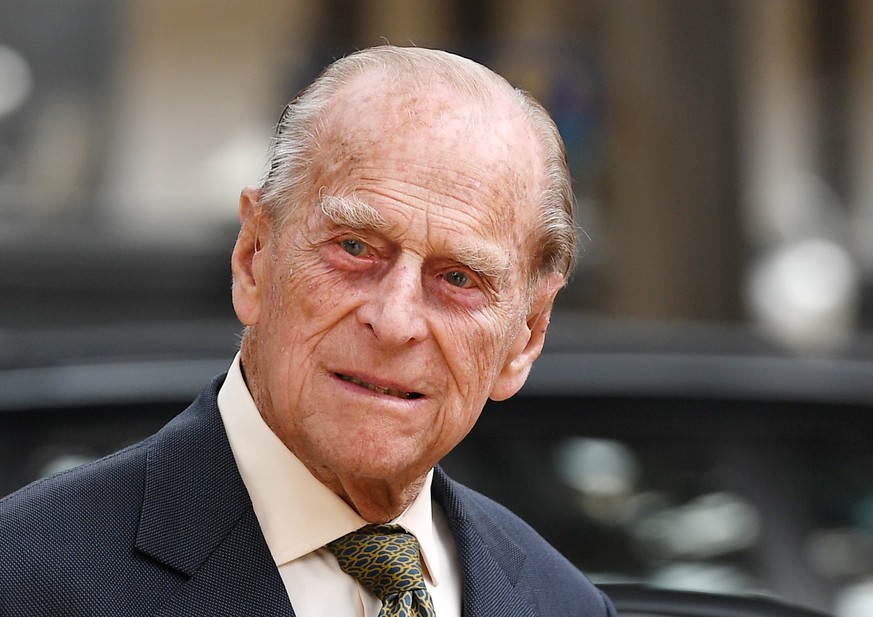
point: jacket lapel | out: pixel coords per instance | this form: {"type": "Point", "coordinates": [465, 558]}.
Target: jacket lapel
{"type": "Point", "coordinates": [198, 520]}
{"type": "Point", "coordinates": [490, 559]}
{"type": "Point", "coordinates": [238, 578]}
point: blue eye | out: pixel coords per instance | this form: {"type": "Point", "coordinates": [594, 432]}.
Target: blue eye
{"type": "Point", "coordinates": [353, 247]}
{"type": "Point", "coordinates": [458, 279]}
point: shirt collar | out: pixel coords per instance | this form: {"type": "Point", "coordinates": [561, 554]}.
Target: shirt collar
{"type": "Point", "coordinates": [296, 512]}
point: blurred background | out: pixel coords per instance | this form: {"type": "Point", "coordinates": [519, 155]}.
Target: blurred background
{"type": "Point", "coordinates": [723, 157]}
{"type": "Point", "coordinates": [722, 150]}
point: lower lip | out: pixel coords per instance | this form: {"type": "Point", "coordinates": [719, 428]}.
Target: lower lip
{"type": "Point", "coordinates": [353, 387]}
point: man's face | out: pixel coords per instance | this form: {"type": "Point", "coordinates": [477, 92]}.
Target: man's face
{"type": "Point", "coordinates": [394, 301]}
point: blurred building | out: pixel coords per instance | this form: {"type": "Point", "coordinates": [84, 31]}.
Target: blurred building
{"type": "Point", "coordinates": [722, 150]}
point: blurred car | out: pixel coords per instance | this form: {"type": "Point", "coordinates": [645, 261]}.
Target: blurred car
{"type": "Point", "coordinates": [697, 460]}
{"type": "Point", "coordinates": [641, 601]}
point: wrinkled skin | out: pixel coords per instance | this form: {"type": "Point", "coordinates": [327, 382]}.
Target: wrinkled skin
{"type": "Point", "coordinates": [372, 349]}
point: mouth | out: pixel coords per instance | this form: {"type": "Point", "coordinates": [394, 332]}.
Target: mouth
{"type": "Point", "coordinates": [379, 389]}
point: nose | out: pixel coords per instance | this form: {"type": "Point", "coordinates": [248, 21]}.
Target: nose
{"type": "Point", "coordinates": [394, 309]}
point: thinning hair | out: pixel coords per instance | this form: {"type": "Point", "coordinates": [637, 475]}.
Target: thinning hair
{"type": "Point", "coordinates": [305, 120]}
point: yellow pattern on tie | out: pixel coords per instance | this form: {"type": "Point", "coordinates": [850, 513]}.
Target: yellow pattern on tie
{"type": "Point", "coordinates": [385, 559]}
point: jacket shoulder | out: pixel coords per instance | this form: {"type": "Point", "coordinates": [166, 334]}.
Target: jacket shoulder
{"type": "Point", "coordinates": [551, 584]}
{"type": "Point", "coordinates": [71, 499]}
{"type": "Point", "coordinates": [68, 542]}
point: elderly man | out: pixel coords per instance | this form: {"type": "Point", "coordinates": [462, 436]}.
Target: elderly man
{"type": "Point", "coordinates": [395, 269]}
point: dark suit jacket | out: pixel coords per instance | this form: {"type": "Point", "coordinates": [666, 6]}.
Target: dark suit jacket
{"type": "Point", "coordinates": [166, 527]}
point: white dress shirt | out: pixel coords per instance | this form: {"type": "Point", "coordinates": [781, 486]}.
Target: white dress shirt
{"type": "Point", "coordinates": [298, 515]}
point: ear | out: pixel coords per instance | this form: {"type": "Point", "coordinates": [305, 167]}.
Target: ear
{"type": "Point", "coordinates": [529, 341]}
{"type": "Point", "coordinates": [248, 259]}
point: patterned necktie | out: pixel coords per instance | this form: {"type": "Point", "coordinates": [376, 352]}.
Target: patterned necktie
{"type": "Point", "coordinates": [385, 560]}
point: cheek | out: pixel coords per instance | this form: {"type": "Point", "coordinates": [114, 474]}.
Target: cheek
{"type": "Point", "coordinates": [298, 309]}
{"type": "Point", "coordinates": [476, 349]}
{"type": "Point", "coordinates": [308, 289]}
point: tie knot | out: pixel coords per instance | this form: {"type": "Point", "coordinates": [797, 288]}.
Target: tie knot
{"type": "Point", "coordinates": [383, 558]}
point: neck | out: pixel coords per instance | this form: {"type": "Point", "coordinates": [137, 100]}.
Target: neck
{"type": "Point", "coordinates": [376, 501]}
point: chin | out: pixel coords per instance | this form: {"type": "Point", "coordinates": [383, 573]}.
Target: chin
{"type": "Point", "coordinates": [384, 465]}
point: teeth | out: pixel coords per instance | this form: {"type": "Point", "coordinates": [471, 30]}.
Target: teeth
{"type": "Point", "coordinates": [379, 389]}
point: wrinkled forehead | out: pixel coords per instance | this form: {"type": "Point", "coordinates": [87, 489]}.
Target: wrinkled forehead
{"type": "Point", "coordinates": [436, 124]}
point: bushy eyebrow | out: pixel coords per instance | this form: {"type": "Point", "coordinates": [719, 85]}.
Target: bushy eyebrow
{"type": "Point", "coordinates": [490, 263]}
{"type": "Point", "coordinates": [351, 212]}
